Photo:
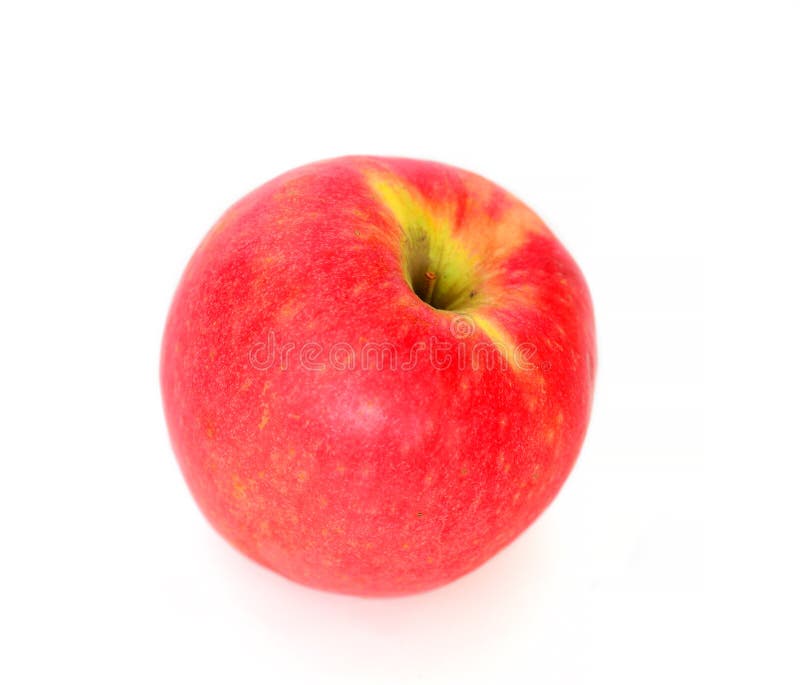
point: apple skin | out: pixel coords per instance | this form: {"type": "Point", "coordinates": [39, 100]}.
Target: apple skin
{"type": "Point", "coordinates": [373, 480]}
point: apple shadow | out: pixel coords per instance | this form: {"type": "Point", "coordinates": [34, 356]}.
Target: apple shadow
{"type": "Point", "coordinates": [474, 612]}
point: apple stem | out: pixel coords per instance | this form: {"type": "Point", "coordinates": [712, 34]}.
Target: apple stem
{"type": "Point", "coordinates": [431, 276]}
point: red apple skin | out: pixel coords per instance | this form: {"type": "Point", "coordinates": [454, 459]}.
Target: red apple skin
{"type": "Point", "coordinates": [375, 481]}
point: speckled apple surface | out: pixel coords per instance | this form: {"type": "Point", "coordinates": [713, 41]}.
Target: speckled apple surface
{"type": "Point", "coordinates": [377, 372]}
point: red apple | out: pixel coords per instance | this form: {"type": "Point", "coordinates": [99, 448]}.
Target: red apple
{"type": "Point", "coordinates": [377, 373]}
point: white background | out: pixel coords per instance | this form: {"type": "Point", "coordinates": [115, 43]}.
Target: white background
{"type": "Point", "coordinates": [660, 142]}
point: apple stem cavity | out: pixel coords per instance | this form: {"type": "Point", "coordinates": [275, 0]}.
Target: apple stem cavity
{"type": "Point", "coordinates": [442, 274]}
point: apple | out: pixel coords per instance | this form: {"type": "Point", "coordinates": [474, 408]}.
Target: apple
{"type": "Point", "coordinates": [377, 372]}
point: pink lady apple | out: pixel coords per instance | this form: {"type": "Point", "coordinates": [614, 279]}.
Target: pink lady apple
{"type": "Point", "coordinates": [377, 373]}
